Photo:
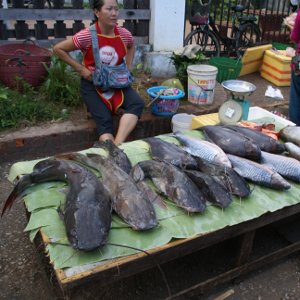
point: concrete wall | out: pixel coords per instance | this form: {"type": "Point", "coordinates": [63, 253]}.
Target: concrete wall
{"type": "Point", "coordinates": [165, 36]}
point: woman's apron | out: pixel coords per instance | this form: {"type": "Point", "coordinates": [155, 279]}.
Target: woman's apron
{"type": "Point", "coordinates": [112, 51]}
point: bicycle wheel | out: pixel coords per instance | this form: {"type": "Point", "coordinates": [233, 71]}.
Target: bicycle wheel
{"type": "Point", "coordinates": [248, 35]}
{"type": "Point", "coordinates": [210, 46]}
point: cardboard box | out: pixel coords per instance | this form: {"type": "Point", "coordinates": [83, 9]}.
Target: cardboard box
{"type": "Point", "coordinates": [260, 115]}
{"type": "Point", "coordinates": [256, 114]}
{"type": "Point", "coordinates": [276, 67]}
{"type": "Point", "coordinates": [253, 58]}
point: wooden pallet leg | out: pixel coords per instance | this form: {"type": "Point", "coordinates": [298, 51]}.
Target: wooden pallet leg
{"type": "Point", "coordinates": [246, 243]}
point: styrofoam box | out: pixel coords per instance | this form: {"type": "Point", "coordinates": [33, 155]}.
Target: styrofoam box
{"type": "Point", "coordinates": [257, 113]}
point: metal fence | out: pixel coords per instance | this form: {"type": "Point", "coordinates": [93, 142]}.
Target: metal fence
{"type": "Point", "coordinates": [269, 15]}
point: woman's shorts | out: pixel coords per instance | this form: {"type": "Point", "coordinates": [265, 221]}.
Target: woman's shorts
{"type": "Point", "coordinates": [133, 104]}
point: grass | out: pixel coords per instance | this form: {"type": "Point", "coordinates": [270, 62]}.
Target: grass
{"type": "Point", "coordinates": [54, 100]}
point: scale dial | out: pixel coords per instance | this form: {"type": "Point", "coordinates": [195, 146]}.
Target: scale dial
{"type": "Point", "coordinates": [230, 112]}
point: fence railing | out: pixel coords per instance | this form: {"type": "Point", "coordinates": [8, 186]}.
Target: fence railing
{"type": "Point", "coordinates": [46, 26]}
{"type": "Point", "coordinates": [269, 14]}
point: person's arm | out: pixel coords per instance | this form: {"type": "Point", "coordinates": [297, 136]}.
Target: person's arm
{"type": "Point", "coordinates": [295, 34]}
{"type": "Point", "coordinates": [62, 50]}
{"type": "Point", "coordinates": [130, 56]}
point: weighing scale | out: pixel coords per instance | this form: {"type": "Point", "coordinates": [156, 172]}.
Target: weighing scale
{"type": "Point", "coordinates": [236, 107]}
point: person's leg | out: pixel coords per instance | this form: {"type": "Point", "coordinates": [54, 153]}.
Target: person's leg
{"type": "Point", "coordinates": [133, 105]}
{"type": "Point", "coordinates": [99, 111]}
{"type": "Point", "coordinates": [294, 102]}
{"type": "Point", "coordinates": [126, 125]}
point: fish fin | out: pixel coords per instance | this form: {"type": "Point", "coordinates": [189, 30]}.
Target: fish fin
{"type": "Point", "coordinates": [137, 173]}
{"type": "Point", "coordinates": [150, 194]}
{"type": "Point", "coordinates": [20, 187]}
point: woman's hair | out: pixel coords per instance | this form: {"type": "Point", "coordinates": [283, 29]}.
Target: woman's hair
{"type": "Point", "coordinates": [96, 4]}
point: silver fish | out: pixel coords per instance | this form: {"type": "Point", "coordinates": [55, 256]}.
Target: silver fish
{"type": "Point", "coordinates": [87, 211]}
{"type": "Point", "coordinates": [204, 149]}
{"type": "Point", "coordinates": [127, 199]}
{"type": "Point", "coordinates": [171, 182]}
{"type": "Point", "coordinates": [291, 134]}
{"type": "Point", "coordinates": [293, 150]}
{"type": "Point", "coordinates": [257, 173]}
{"type": "Point", "coordinates": [286, 166]}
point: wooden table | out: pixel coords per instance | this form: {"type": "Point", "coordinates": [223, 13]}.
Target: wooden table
{"type": "Point", "coordinates": [116, 269]}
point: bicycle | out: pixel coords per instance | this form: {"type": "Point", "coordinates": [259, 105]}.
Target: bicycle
{"type": "Point", "coordinates": [244, 33]}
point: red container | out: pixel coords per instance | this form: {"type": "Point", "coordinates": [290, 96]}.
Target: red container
{"type": "Point", "coordinates": [24, 61]}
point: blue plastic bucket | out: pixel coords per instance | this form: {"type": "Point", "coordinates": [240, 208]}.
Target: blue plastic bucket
{"type": "Point", "coordinates": [164, 105]}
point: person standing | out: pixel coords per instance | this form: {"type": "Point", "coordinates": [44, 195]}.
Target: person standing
{"type": "Point", "coordinates": [115, 44]}
{"type": "Point", "coordinates": [294, 102]}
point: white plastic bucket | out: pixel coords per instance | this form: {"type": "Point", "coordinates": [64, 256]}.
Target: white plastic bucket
{"type": "Point", "coordinates": [201, 83]}
{"type": "Point", "coordinates": [181, 122]}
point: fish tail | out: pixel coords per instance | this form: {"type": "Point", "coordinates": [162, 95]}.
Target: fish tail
{"type": "Point", "coordinates": [20, 187]}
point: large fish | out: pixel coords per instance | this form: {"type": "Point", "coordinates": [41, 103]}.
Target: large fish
{"type": "Point", "coordinates": [257, 173]}
{"type": "Point", "coordinates": [116, 154]}
{"type": "Point", "coordinates": [292, 149]}
{"type": "Point", "coordinates": [231, 180]}
{"type": "Point", "coordinates": [169, 152]}
{"type": "Point", "coordinates": [265, 143]}
{"type": "Point", "coordinates": [291, 134]}
{"type": "Point", "coordinates": [172, 182]}
{"type": "Point", "coordinates": [232, 142]}
{"type": "Point", "coordinates": [128, 201]}
{"type": "Point", "coordinates": [288, 167]}
{"type": "Point", "coordinates": [213, 191]}
{"type": "Point", "coordinates": [203, 149]}
{"type": "Point", "coordinates": [87, 211]}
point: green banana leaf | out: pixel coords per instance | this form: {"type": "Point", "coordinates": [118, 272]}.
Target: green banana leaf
{"type": "Point", "coordinates": [45, 203]}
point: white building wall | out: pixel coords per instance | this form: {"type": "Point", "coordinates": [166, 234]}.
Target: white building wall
{"type": "Point", "coordinates": [167, 24]}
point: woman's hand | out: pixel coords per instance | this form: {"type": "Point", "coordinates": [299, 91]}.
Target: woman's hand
{"type": "Point", "coordinates": [86, 73]}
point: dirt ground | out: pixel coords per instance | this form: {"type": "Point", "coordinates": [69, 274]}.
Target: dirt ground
{"type": "Point", "coordinates": [26, 275]}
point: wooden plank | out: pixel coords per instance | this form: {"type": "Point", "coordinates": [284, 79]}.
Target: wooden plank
{"type": "Point", "coordinates": [133, 264]}
{"type": "Point", "coordinates": [66, 14]}
{"type": "Point", "coordinates": [246, 243]}
{"type": "Point", "coordinates": [236, 272]}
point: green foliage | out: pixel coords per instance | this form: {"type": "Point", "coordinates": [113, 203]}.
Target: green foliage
{"type": "Point", "coordinates": [28, 108]}
{"type": "Point", "coordinates": [59, 92]}
{"type": "Point", "coordinates": [181, 64]}
{"type": "Point", "coordinates": [62, 84]}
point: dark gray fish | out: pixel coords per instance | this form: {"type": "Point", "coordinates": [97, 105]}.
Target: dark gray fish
{"type": "Point", "coordinates": [87, 212]}
{"type": "Point", "coordinates": [231, 180]}
{"type": "Point", "coordinates": [172, 182]}
{"type": "Point", "coordinates": [213, 191]}
{"type": "Point", "coordinates": [128, 201]}
{"type": "Point", "coordinates": [171, 153]}
{"type": "Point", "coordinates": [232, 142]}
{"type": "Point", "coordinates": [265, 143]}
{"type": "Point", "coordinates": [203, 149]}
{"type": "Point", "coordinates": [151, 195]}
{"type": "Point", "coordinates": [287, 167]}
{"type": "Point", "coordinates": [292, 149]}
{"type": "Point", "coordinates": [118, 156]}
{"type": "Point", "coordinates": [257, 173]}
{"type": "Point", "coordinates": [291, 134]}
